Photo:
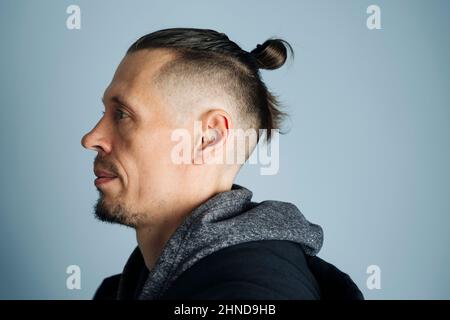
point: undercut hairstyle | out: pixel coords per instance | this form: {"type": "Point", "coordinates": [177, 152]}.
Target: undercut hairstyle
{"type": "Point", "coordinates": [212, 56]}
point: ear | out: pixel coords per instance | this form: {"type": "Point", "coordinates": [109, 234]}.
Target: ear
{"type": "Point", "coordinates": [211, 144]}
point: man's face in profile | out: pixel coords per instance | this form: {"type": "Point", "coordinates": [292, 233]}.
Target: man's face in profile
{"type": "Point", "coordinates": [133, 165]}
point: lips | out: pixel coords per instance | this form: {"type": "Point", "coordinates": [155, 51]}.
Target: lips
{"type": "Point", "coordinates": [103, 176]}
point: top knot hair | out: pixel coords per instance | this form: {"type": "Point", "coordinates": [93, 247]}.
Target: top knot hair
{"type": "Point", "coordinates": [272, 54]}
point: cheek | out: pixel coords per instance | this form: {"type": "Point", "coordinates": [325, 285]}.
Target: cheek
{"type": "Point", "coordinates": [147, 157]}
{"type": "Point", "coordinates": [157, 177]}
{"type": "Point", "coordinates": [126, 135]}
{"type": "Point", "coordinates": [154, 156]}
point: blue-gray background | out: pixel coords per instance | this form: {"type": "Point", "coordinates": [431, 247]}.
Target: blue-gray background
{"type": "Point", "coordinates": [367, 156]}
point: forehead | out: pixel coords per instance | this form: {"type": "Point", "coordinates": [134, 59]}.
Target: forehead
{"type": "Point", "coordinates": [135, 75]}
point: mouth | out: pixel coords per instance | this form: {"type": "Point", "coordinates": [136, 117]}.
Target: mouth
{"type": "Point", "coordinates": [103, 177]}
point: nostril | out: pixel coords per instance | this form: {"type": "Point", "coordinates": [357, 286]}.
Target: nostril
{"type": "Point", "coordinates": [88, 142]}
{"type": "Point", "coordinates": [84, 141]}
{"type": "Point", "coordinates": [96, 142]}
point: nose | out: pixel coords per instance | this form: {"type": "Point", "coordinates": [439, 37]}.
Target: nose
{"type": "Point", "coordinates": [96, 140]}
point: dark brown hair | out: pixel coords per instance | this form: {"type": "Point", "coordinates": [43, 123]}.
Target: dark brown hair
{"type": "Point", "coordinates": [210, 49]}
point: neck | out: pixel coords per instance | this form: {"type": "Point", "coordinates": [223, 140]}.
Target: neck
{"type": "Point", "coordinates": [153, 237]}
{"type": "Point", "coordinates": [151, 241]}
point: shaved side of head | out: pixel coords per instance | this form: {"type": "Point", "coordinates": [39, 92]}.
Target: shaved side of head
{"type": "Point", "coordinates": [192, 85]}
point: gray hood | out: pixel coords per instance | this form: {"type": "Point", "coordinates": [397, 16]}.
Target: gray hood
{"type": "Point", "coordinates": [226, 219]}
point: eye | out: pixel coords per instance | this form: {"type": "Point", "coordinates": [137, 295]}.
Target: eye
{"type": "Point", "coordinates": [120, 114]}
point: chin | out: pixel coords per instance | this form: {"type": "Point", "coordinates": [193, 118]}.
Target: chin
{"type": "Point", "coordinates": [115, 213]}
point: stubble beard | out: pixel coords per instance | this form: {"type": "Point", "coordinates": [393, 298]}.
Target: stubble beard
{"type": "Point", "coordinates": [115, 213]}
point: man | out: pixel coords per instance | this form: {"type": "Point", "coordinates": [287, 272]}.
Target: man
{"type": "Point", "coordinates": [199, 235]}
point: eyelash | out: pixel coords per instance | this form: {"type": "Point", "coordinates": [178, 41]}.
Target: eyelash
{"type": "Point", "coordinates": [119, 114]}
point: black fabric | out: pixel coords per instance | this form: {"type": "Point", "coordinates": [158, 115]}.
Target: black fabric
{"type": "Point", "coordinates": [334, 284]}
{"type": "Point", "coordinates": [108, 288]}
{"type": "Point", "coordinates": [269, 269]}
{"type": "Point", "coordinates": [266, 269]}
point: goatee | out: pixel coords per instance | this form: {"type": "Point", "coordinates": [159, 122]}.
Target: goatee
{"type": "Point", "coordinates": [114, 213]}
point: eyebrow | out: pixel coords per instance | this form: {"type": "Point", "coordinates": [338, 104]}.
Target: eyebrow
{"type": "Point", "coordinates": [117, 99]}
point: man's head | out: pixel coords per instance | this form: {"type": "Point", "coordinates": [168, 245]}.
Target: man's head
{"type": "Point", "coordinates": [168, 80]}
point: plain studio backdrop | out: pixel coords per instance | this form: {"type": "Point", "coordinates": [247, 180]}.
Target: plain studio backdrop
{"type": "Point", "coordinates": [367, 156]}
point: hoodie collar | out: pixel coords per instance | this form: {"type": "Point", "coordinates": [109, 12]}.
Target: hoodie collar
{"type": "Point", "coordinates": [228, 218]}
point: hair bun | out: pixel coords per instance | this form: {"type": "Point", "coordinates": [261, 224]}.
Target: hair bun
{"type": "Point", "coordinates": [272, 54]}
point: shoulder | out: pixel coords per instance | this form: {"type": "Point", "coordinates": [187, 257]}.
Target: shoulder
{"type": "Point", "coordinates": [334, 284]}
{"type": "Point", "coordinates": [266, 269]}
{"type": "Point", "coordinates": [108, 288]}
